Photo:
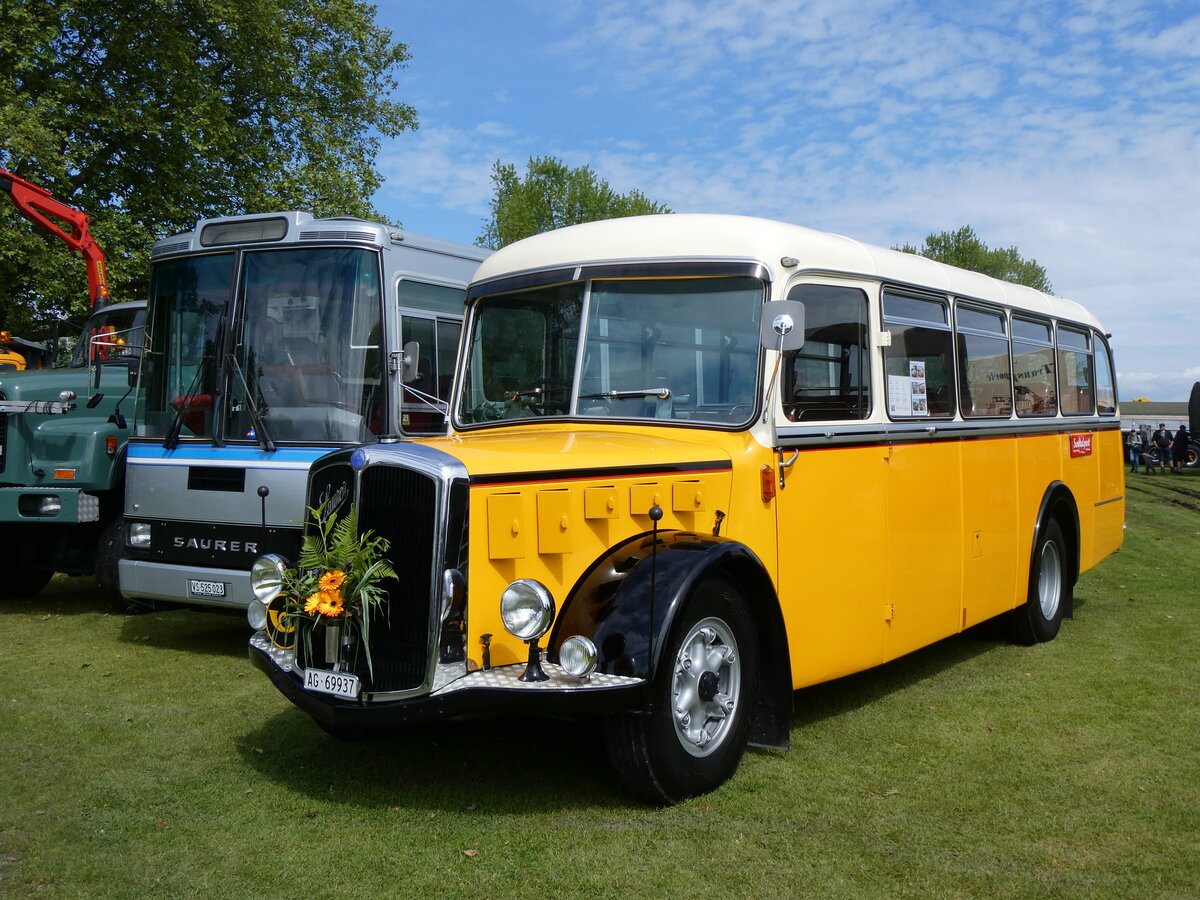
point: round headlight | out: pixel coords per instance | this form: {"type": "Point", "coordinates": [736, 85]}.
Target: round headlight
{"type": "Point", "coordinates": [266, 576]}
{"type": "Point", "coordinates": [527, 609]}
{"type": "Point", "coordinates": [256, 615]}
{"type": "Point", "coordinates": [578, 656]}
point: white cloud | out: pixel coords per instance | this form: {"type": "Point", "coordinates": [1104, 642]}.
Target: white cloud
{"type": "Point", "coordinates": [1068, 130]}
{"type": "Point", "coordinates": [495, 129]}
{"type": "Point", "coordinates": [442, 163]}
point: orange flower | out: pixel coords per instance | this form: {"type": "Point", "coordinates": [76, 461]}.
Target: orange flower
{"type": "Point", "coordinates": [312, 603]}
{"type": "Point", "coordinates": [331, 581]}
{"type": "Point", "coordinates": [332, 603]}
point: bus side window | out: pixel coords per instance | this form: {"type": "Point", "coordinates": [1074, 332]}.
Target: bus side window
{"type": "Point", "coordinates": [1076, 377]}
{"type": "Point", "coordinates": [448, 333]}
{"type": "Point", "coordinates": [828, 379]}
{"type": "Point", "coordinates": [919, 363]}
{"type": "Point", "coordinates": [1106, 390]}
{"type": "Point", "coordinates": [984, 367]}
{"type": "Point", "coordinates": [1033, 367]}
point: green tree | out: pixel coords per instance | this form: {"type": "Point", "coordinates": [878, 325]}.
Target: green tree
{"type": "Point", "coordinates": [151, 114]}
{"type": "Point", "coordinates": [552, 195]}
{"type": "Point", "coordinates": [964, 249]}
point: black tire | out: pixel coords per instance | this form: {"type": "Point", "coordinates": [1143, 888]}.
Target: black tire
{"type": "Point", "coordinates": [1038, 619]}
{"type": "Point", "coordinates": [692, 738]}
{"type": "Point", "coordinates": [20, 582]}
{"type": "Point", "coordinates": [108, 555]}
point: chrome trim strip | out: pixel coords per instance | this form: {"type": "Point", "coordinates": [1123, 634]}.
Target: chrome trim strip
{"type": "Point", "coordinates": [842, 434]}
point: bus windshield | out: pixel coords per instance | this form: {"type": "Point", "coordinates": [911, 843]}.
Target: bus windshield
{"type": "Point", "coordinates": [305, 362]}
{"type": "Point", "coordinates": [188, 298]}
{"type": "Point", "coordinates": [682, 349]}
{"type": "Point", "coordinates": [303, 336]}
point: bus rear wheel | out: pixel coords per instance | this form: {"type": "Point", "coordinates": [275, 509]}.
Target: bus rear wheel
{"type": "Point", "coordinates": [692, 738]}
{"type": "Point", "coordinates": [1038, 619]}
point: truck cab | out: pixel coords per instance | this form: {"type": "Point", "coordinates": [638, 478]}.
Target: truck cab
{"type": "Point", "coordinates": [62, 451]}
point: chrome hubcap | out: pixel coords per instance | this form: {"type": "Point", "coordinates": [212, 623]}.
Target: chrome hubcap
{"type": "Point", "coordinates": [705, 686]}
{"type": "Point", "coordinates": [1050, 580]}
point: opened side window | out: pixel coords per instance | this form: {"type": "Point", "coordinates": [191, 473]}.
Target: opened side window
{"type": "Point", "coordinates": [828, 379]}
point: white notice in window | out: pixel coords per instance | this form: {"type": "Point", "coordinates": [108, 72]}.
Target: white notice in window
{"type": "Point", "coordinates": [907, 394]}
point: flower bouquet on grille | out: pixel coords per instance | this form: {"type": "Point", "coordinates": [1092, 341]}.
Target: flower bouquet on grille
{"type": "Point", "coordinates": [336, 585]}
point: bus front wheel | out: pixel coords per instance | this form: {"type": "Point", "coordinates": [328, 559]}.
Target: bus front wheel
{"type": "Point", "coordinates": [1038, 619]}
{"type": "Point", "coordinates": [692, 738]}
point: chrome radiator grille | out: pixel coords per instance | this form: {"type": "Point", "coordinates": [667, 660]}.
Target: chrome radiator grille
{"type": "Point", "coordinates": [401, 505]}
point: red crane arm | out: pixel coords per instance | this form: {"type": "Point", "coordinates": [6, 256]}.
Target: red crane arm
{"type": "Point", "coordinates": [40, 207]}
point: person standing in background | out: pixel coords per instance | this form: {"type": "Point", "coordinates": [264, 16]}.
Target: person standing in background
{"type": "Point", "coordinates": [1161, 441]}
{"type": "Point", "coordinates": [1179, 449]}
{"type": "Point", "coordinates": [1133, 447]}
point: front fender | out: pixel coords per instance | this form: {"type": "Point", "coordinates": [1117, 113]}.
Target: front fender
{"type": "Point", "coordinates": [629, 599]}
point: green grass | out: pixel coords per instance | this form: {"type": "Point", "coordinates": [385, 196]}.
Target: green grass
{"type": "Point", "coordinates": [143, 756]}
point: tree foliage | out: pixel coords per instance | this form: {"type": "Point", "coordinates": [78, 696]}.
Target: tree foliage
{"type": "Point", "coordinates": [151, 114]}
{"type": "Point", "coordinates": [964, 249]}
{"type": "Point", "coordinates": [552, 195]}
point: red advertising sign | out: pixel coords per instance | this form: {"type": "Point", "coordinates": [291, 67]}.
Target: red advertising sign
{"type": "Point", "coordinates": [1081, 444]}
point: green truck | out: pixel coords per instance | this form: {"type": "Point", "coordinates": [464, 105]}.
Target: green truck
{"type": "Point", "coordinates": [62, 457]}
{"type": "Point", "coordinates": [63, 431]}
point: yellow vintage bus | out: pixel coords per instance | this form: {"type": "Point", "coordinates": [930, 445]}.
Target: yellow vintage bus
{"type": "Point", "coordinates": [698, 462]}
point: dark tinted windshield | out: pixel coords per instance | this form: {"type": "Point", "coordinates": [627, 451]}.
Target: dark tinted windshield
{"type": "Point", "coordinates": [306, 361]}
{"type": "Point", "coordinates": [188, 299]}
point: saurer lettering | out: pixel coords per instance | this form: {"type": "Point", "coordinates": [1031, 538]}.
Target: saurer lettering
{"type": "Point", "coordinates": [215, 544]}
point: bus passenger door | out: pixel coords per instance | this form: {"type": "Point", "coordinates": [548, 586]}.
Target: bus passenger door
{"type": "Point", "coordinates": [831, 511]}
{"type": "Point", "coordinates": [831, 521]}
{"type": "Point", "coordinates": [925, 541]}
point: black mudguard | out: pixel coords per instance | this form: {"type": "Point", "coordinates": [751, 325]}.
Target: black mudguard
{"type": "Point", "coordinates": [629, 599]}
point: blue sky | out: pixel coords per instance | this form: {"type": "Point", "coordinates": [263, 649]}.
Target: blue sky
{"type": "Point", "coordinates": [1070, 130]}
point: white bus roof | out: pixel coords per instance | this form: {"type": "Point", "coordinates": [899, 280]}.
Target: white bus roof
{"type": "Point", "coordinates": [697, 237]}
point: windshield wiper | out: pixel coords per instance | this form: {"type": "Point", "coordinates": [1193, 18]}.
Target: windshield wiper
{"type": "Point", "coordinates": [510, 396]}
{"type": "Point", "coordinates": [261, 433]}
{"type": "Point", "coordinates": [662, 393]}
{"type": "Point", "coordinates": [171, 441]}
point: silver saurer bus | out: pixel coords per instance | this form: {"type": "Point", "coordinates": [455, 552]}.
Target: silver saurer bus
{"type": "Point", "coordinates": [272, 339]}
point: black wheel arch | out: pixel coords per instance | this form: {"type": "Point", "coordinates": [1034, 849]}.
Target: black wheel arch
{"type": "Point", "coordinates": [629, 599]}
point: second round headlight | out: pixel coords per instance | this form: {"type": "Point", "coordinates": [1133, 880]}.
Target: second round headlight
{"type": "Point", "coordinates": [578, 656]}
{"type": "Point", "coordinates": [527, 609]}
{"type": "Point", "coordinates": [266, 576]}
{"type": "Point", "coordinates": [256, 614]}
